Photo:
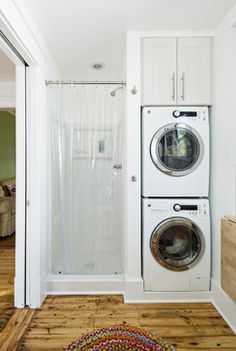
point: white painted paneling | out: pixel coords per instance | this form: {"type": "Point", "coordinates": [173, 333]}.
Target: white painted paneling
{"type": "Point", "coordinates": [37, 189]}
{"type": "Point", "coordinates": [133, 160]}
{"type": "Point", "coordinates": [223, 127]}
{"type": "Point", "coordinates": [194, 71]}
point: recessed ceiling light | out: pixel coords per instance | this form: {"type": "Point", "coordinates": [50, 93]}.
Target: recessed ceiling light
{"type": "Point", "coordinates": [98, 66]}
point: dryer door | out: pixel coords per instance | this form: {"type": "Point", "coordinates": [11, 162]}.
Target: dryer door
{"type": "Point", "coordinates": [176, 149]}
{"type": "Point", "coordinates": [177, 244]}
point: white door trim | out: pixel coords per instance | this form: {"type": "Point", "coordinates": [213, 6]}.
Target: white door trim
{"type": "Point", "coordinates": [19, 282]}
{"type": "Point", "coordinates": [18, 27]}
{"type": "Point", "coordinates": [20, 189]}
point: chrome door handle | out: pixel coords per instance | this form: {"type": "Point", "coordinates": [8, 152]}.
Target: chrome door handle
{"type": "Point", "coordinates": [118, 166]}
{"type": "Point", "coordinates": [183, 86]}
{"type": "Point", "coordinates": [173, 86]}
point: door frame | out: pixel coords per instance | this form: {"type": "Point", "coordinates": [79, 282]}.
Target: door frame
{"type": "Point", "coordinates": [17, 26]}
{"type": "Point", "coordinates": [20, 254]}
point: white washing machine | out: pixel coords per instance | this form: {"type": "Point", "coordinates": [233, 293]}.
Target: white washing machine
{"type": "Point", "coordinates": [175, 152]}
{"type": "Point", "coordinates": [176, 244]}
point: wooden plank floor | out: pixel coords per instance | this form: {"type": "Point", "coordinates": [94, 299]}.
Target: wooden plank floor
{"type": "Point", "coordinates": [15, 328]}
{"type": "Point", "coordinates": [190, 326]}
{"type": "Point", "coordinates": [7, 272]}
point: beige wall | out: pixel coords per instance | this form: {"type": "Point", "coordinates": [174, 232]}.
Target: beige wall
{"type": "Point", "coordinates": [7, 145]}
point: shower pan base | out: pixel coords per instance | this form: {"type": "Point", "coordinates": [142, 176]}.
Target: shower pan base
{"type": "Point", "coordinates": [85, 284]}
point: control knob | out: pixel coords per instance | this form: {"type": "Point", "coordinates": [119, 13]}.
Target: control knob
{"type": "Point", "coordinates": [176, 113]}
{"type": "Point", "coordinates": [177, 207]}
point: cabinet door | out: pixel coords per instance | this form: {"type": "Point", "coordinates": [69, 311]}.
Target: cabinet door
{"type": "Point", "coordinates": [159, 71]}
{"type": "Point", "coordinates": [194, 71]}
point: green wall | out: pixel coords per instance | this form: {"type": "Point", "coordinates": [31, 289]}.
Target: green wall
{"type": "Point", "coordinates": [7, 145]}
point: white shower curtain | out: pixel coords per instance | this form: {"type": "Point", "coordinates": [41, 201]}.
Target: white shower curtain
{"type": "Point", "coordinates": [86, 179]}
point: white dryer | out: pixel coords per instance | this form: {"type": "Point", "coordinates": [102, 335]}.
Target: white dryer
{"type": "Point", "coordinates": [176, 244]}
{"type": "Point", "coordinates": [175, 152]}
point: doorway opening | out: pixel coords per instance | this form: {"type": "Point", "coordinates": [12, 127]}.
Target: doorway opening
{"type": "Point", "coordinates": [12, 182]}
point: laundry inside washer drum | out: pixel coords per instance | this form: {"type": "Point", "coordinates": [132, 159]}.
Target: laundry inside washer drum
{"type": "Point", "coordinates": [178, 243]}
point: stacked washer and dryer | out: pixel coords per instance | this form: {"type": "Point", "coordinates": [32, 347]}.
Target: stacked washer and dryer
{"type": "Point", "coordinates": [176, 238]}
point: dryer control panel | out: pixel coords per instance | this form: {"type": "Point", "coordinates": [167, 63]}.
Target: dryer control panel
{"type": "Point", "coordinates": [190, 115]}
{"type": "Point", "coordinates": [191, 209]}
{"type": "Point", "coordinates": [178, 207]}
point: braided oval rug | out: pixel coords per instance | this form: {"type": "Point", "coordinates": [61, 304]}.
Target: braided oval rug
{"type": "Point", "coordinates": [120, 338]}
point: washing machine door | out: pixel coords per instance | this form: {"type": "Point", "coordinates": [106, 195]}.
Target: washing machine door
{"type": "Point", "coordinates": [177, 244]}
{"type": "Point", "coordinates": [176, 149]}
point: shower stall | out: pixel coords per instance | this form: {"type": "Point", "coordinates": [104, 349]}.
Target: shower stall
{"type": "Point", "coordinates": [87, 186]}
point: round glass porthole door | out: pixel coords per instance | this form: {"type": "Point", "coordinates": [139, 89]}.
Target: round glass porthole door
{"type": "Point", "coordinates": [176, 149]}
{"type": "Point", "coordinates": [177, 244]}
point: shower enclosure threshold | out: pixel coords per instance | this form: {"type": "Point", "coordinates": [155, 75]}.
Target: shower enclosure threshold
{"type": "Point", "coordinates": [66, 284]}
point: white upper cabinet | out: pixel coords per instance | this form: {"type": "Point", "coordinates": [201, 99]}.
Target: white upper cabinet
{"type": "Point", "coordinates": [159, 71]}
{"type": "Point", "coordinates": [176, 71]}
{"type": "Point", "coordinates": [194, 71]}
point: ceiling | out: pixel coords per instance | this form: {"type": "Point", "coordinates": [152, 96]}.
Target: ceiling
{"type": "Point", "coordinates": [7, 68]}
{"type": "Point", "coordinates": [79, 32]}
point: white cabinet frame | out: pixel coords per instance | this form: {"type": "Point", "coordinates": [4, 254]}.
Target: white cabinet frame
{"type": "Point", "coordinates": [194, 71]}
{"type": "Point", "coordinates": [134, 283]}
{"type": "Point", "coordinates": [159, 57]}
{"type": "Point", "coordinates": [176, 71]}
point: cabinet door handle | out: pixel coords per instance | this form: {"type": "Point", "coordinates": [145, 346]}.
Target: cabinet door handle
{"type": "Point", "coordinates": [183, 86]}
{"type": "Point", "coordinates": [173, 86]}
{"type": "Point", "coordinates": [117, 166]}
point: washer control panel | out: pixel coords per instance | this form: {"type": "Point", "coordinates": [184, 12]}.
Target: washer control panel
{"type": "Point", "coordinates": [180, 207]}
{"type": "Point", "coordinates": [178, 114]}
{"type": "Point", "coordinates": [190, 115]}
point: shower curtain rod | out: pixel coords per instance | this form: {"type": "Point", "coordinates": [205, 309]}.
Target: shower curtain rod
{"type": "Point", "coordinates": [52, 82]}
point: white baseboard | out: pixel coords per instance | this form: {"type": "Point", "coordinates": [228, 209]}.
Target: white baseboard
{"type": "Point", "coordinates": [43, 287]}
{"type": "Point", "coordinates": [224, 304]}
{"type": "Point", "coordinates": [134, 294]}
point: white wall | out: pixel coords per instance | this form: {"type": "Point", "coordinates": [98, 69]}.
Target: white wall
{"type": "Point", "coordinates": [17, 24]}
{"type": "Point", "coordinates": [223, 126]}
